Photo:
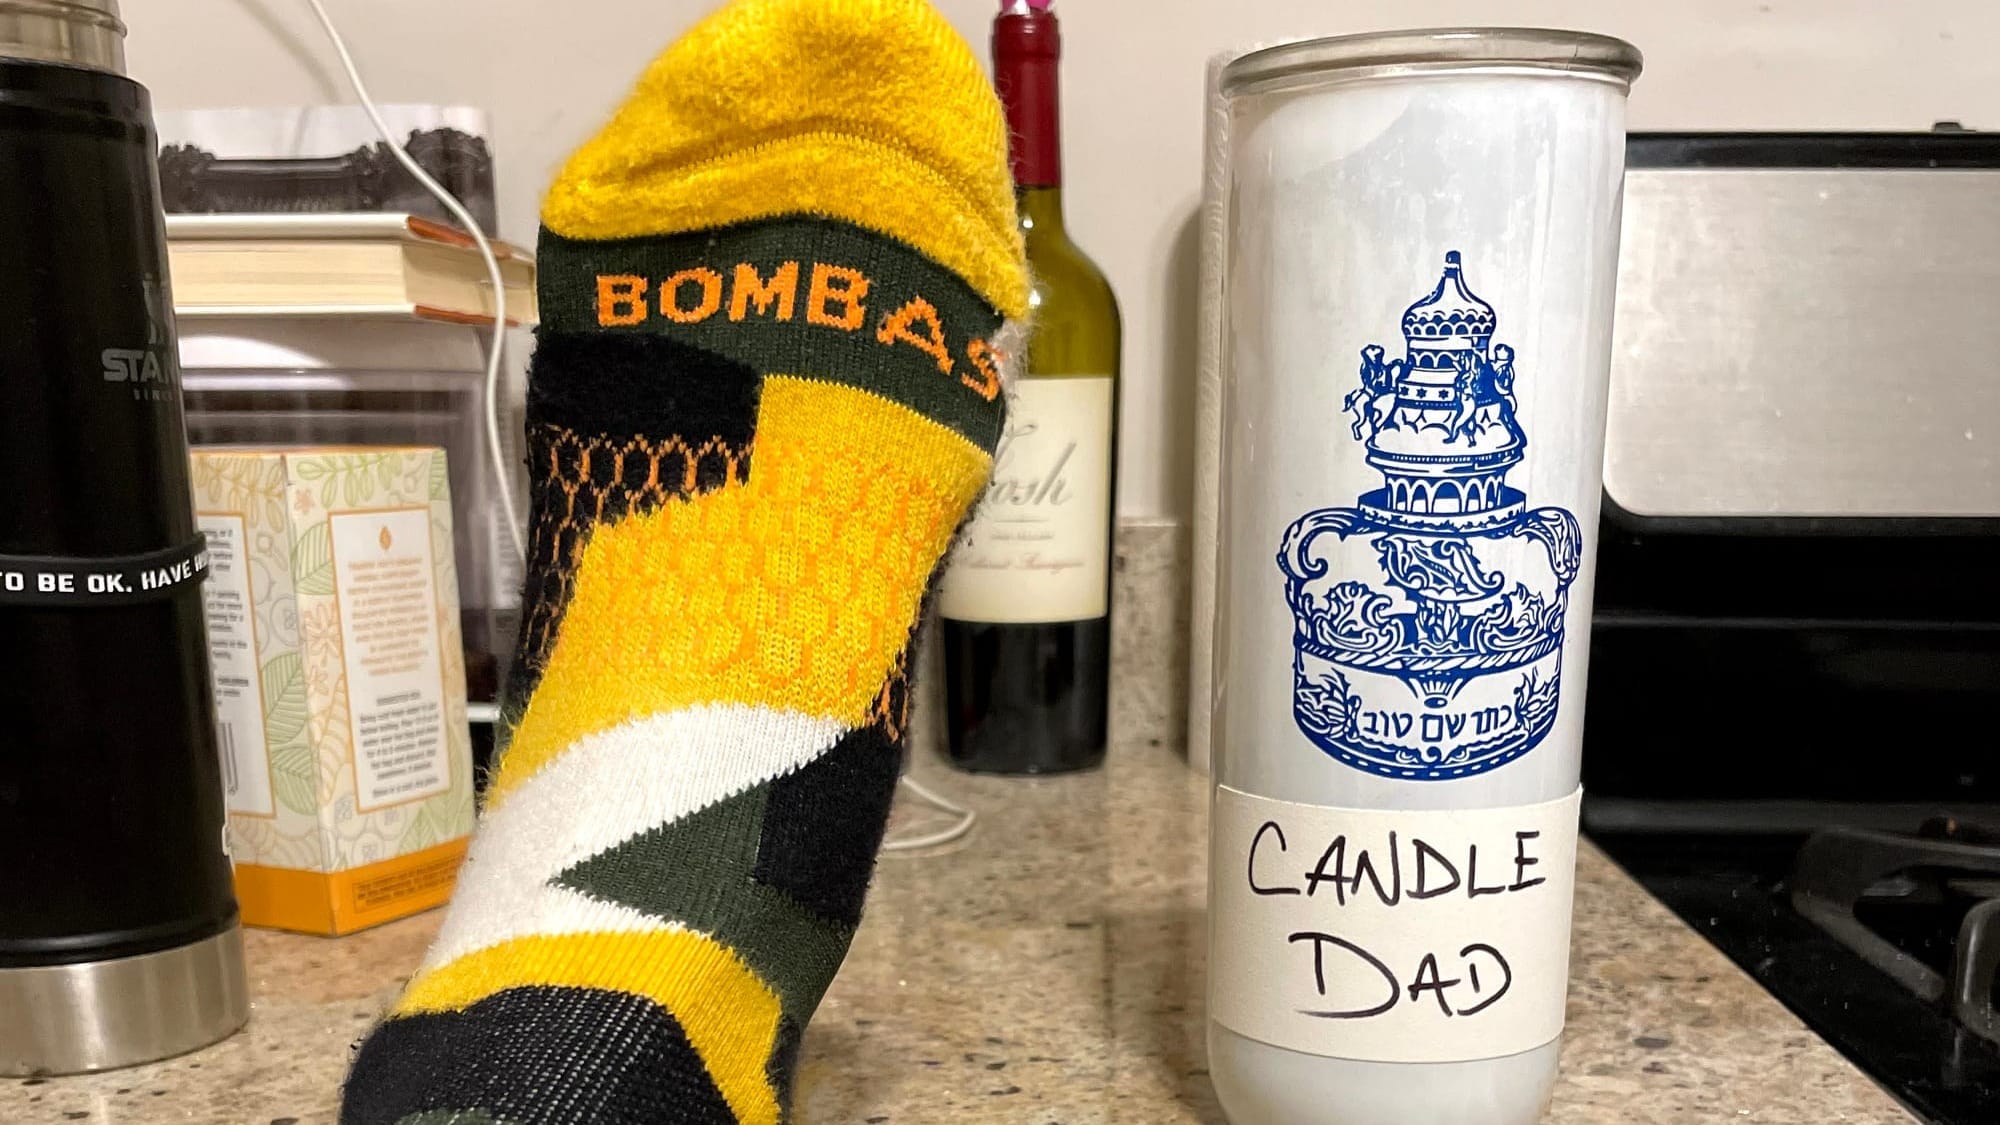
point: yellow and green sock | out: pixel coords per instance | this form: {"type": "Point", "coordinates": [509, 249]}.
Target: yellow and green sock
{"type": "Point", "coordinates": [766, 390]}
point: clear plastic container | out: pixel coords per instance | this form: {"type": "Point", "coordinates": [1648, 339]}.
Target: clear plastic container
{"type": "Point", "coordinates": [279, 383]}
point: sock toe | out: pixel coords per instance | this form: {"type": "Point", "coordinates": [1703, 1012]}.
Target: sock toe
{"type": "Point", "coordinates": [870, 111]}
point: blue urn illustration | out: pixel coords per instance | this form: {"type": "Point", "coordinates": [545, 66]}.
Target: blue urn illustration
{"type": "Point", "coordinates": [1430, 614]}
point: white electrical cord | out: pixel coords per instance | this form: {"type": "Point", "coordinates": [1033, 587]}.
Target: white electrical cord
{"type": "Point", "coordinates": [966, 819]}
{"type": "Point", "coordinates": [496, 347]}
{"type": "Point", "coordinates": [496, 457]}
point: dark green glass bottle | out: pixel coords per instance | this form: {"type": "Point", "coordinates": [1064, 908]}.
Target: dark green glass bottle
{"type": "Point", "coordinates": [1026, 605]}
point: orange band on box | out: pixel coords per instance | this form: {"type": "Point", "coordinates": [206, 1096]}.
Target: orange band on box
{"type": "Point", "coordinates": [341, 902]}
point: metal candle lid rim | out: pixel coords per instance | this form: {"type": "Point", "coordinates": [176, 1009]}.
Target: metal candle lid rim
{"type": "Point", "coordinates": [1579, 53]}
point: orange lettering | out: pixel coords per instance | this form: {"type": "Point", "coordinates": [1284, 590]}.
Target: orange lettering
{"type": "Point", "coordinates": [896, 326]}
{"type": "Point", "coordinates": [849, 294]}
{"type": "Point", "coordinates": [621, 299]}
{"type": "Point", "coordinates": [711, 295]}
{"type": "Point", "coordinates": [783, 287]}
{"type": "Point", "coordinates": [986, 358]}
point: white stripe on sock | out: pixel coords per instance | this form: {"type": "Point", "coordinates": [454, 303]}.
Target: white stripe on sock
{"type": "Point", "coordinates": [603, 790]}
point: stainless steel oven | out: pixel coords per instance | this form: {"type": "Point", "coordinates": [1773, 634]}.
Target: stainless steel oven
{"type": "Point", "coordinates": [1794, 708]}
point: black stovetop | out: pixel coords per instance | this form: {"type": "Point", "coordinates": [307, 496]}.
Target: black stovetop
{"type": "Point", "coordinates": [1765, 686]}
{"type": "Point", "coordinates": [1889, 1004]}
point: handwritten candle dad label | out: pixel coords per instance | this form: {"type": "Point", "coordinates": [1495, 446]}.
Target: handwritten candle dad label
{"type": "Point", "coordinates": [1393, 936]}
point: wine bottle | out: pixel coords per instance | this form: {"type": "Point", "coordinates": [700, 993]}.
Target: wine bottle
{"type": "Point", "coordinates": [1026, 602]}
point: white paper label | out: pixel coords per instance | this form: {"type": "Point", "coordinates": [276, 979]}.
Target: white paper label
{"type": "Point", "coordinates": [391, 650]}
{"type": "Point", "coordinates": [232, 657]}
{"type": "Point", "coordinates": [1038, 548]}
{"type": "Point", "coordinates": [1391, 936]}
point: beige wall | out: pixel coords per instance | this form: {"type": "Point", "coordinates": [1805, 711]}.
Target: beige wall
{"type": "Point", "coordinates": [548, 70]}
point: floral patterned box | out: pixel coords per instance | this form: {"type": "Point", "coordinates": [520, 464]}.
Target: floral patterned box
{"type": "Point", "coordinates": [339, 680]}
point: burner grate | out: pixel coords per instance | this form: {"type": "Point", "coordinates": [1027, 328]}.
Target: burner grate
{"type": "Point", "coordinates": [1860, 885]}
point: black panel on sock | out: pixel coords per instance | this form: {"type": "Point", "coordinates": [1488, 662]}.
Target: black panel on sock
{"type": "Point", "coordinates": [784, 1062]}
{"type": "Point", "coordinates": [617, 426]}
{"type": "Point", "coordinates": [537, 1056]}
{"type": "Point", "coordinates": [824, 823]}
{"type": "Point", "coordinates": [617, 383]}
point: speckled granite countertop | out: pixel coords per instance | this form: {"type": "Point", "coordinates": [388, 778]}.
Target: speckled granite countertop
{"type": "Point", "coordinates": [1048, 969]}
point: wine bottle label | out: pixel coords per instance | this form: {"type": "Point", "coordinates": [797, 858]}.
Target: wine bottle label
{"type": "Point", "coordinates": [1038, 548]}
{"type": "Point", "coordinates": [1390, 935]}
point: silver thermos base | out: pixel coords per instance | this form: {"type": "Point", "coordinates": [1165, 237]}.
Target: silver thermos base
{"type": "Point", "coordinates": [67, 1019]}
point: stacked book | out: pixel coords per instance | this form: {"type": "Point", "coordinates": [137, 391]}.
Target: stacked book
{"type": "Point", "coordinates": [340, 265]}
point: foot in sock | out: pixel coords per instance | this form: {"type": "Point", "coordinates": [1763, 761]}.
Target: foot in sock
{"type": "Point", "coordinates": [765, 391]}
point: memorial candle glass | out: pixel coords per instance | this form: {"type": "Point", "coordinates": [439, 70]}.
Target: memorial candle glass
{"type": "Point", "coordinates": [1422, 248]}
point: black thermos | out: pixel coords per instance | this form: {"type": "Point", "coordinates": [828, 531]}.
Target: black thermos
{"type": "Point", "coordinates": [118, 928]}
